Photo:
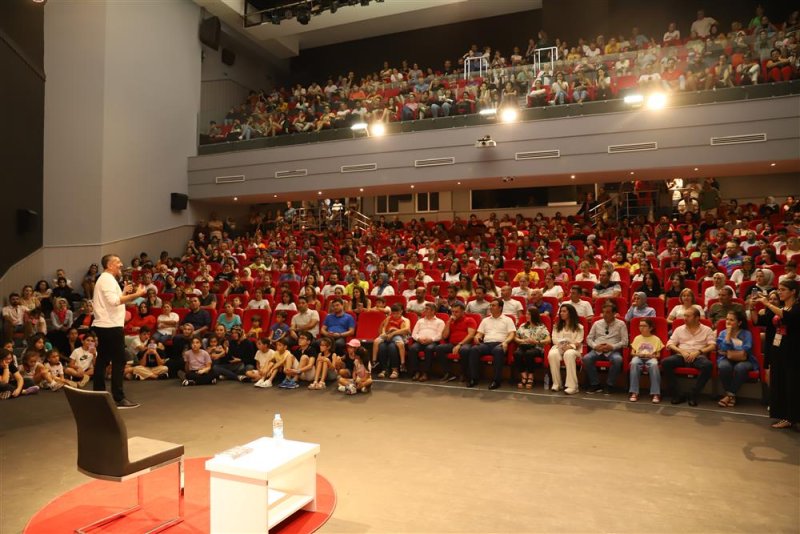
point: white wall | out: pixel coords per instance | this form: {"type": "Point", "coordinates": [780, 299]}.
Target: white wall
{"type": "Point", "coordinates": [122, 97]}
{"type": "Point", "coordinates": [74, 62]}
{"type": "Point", "coordinates": [756, 188]}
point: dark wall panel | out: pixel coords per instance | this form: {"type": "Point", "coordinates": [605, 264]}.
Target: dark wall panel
{"type": "Point", "coordinates": [571, 19]}
{"type": "Point", "coordinates": [427, 47]}
{"type": "Point", "coordinates": [21, 141]}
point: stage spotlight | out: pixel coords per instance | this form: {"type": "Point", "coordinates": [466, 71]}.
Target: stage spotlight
{"type": "Point", "coordinates": [303, 15]}
{"type": "Point", "coordinates": [377, 129]}
{"type": "Point", "coordinates": [509, 115]}
{"type": "Point", "coordinates": [489, 112]}
{"type": "Point", "coordinates": [634, 100]}
{"type": "Point", "coordinates": [656, 101]}
{"type": "Point", "coordinates": [359, 126]}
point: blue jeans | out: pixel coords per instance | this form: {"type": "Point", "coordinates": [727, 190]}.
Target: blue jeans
{"type": "Point", "coordinates": [591, 371]}
{"type": "Point", "coordinates": [559, 98]}
{"type": "Point", "coordinates": [580, 95]}
{"type": "Point", "coordinates": [444, 108]}
{"type": "Point", "coordinates": [161, 338]}
{"type": "Point", "coordinates": [389, 355]}
{"type": "Point", "coordinates": [733, 374]}
{"type": "Point", "coordinates": [637, 364]}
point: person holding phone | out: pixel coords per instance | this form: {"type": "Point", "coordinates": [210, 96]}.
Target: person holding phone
{"type": "Point", "coordinates": [109, 318]}
{"type": "Point", "coordinates": [150, 362]}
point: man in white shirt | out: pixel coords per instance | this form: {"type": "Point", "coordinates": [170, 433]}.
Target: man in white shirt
{"type": "Point", "coordinates": [426, 335]}
{"type": "Point", "coordinates": [13, 317]}
{"type": "Point", "coordinates": [493, 337]}
{"type": "Point", "coordinates": [480, 305]}
{"type": "Point", "coordinates": [418, 303]}
{"type": "Point", "coordinates": [702, 26]}
{"type": "Point", "coordinates": [584, 308]}
{"type": "Point", "coordinates": [691, 343]}
{"type": "Point", "coordinates": [330, 288]}
{"type": "Point", "coordinates": [510, 305]}
{"type": "Point", "coordinates": [305, 320]}
{"type": "Point", "coordinates": [109, 318]}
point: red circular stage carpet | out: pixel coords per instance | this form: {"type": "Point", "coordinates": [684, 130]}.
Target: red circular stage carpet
{"type": "Point", "coordinates": [93, 500]}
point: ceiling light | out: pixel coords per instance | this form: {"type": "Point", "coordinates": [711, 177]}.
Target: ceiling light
{"type": "Point", "coordinates": [361, 189]}
{"type": "Point", "coordinates": [319, 192]}
{"type": "Point", "coordinates": [696, 169]}
{"type": "Point", "coordinates": [509, 115]}
{"type": "Point", "coordinates": [632, 173]}
{"type": "Point", "coordinates": [459, 183]}
{"type": "Point", "coordinates": [235, 199]}
{"type": "Point", "coordinates": [572, 176]}
{"type": "Point", "coordinates": [274, 196]}
{"type": "Point", "coordinates": [772, 164]}
{"type": "Point", "coordinates": [656, 101]}
{"type": "Point", "coordinates": [377, 129]}
{"type": "Point", "coordinates": [412, 187]}
{"type": "Point", "coordinates": [634, 100]}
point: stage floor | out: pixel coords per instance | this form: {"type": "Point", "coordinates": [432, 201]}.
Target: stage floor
{"type": "Point", "coordinates": [428, 458]}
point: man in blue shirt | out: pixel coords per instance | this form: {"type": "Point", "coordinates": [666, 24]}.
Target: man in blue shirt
{"type": "Point", "coordinates": [338, 326]}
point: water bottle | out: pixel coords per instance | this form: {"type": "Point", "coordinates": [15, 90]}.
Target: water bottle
{"type": "Point", "coordinates": [277, 427]}
{"type": "Point", "coordinates": [546, 381]}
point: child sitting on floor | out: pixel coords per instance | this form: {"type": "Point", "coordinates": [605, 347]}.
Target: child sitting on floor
{"type": "Point", "coordinates": [276, 364]}
{"type": "Point", "coordinates": [55, 369]}
{"type": "Point", "coordinates": [304, 359]}
{"type": "Point", "coordinates": [326, 359]}
{"type": "Point", "coordinates": [355, 376]}
{"type": "Point", "coordinates": [10, 378]}
{"type": "Point", "coordinates": [198, 366]}
{"type": "Point", "coordinates": [262, 357]}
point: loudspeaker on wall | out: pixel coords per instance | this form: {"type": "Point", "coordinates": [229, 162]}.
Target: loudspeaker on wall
{"type": "Point", "coordinates": [178, 201]}
{"type": "Point", "coordinates": [26, 220]}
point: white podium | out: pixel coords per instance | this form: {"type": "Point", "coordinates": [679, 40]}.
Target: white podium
{"type": "Point", "coordinates": [254, 491]}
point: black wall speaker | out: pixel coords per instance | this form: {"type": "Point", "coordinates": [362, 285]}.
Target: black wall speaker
{"type": "Point", "coordinates": [26, 220]}
{"type": "Point", "coordinates": [209, 33]}
{"type": "Point", "coordinates": [228, 56]}
{"type": "Point", "coordinates": [178, 201]}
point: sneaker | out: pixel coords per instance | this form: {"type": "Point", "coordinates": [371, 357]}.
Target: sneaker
{"type": "Point", "coordinates": [595, 389]}
{"type": "Point", "coordinates": [242, 378]}
{"type": "Point", "coordinates": [126, 404]}
{"type": "Point", "coordinates": [341, 389]}
{"type": "Point", "coordinates": [285, 383]}
{"type": "Point", "coordinates": [213, 381]}
{"type": "Point", "coordinates": [185, 382]}
{"type": "Point", "coordinates": [33, 390]}
{"type": "Point", "coordinates": [55, 386]}
{"type": "Point", "coordinates": [181, 375]}
{"type": "Point", "coordinates": [351, 389]}
{"type": "Point", "coordinates": [365, 390]}
{"type": "Point", "coordinates": [259, 384]}
{"type": "Point", "coordinates": [608, 390]}
{"type": "Point", "coordinates": [84, 381]}
{"type": "Point", "coordinates": [267, 384]}
{"type": "Point", "coordinates": [292, 384]}
{"type": "Point", "coordinates": [572, 391]}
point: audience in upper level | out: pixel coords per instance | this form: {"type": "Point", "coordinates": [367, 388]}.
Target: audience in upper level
{"type": "Point", "coordinates": [549, 73]}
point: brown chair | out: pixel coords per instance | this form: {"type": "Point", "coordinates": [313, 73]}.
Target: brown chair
{"type": "Point", "coordinates": [106, 452]}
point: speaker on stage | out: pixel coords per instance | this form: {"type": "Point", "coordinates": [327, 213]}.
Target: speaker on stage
{"type": "Point", "coordinates": [178, 201]}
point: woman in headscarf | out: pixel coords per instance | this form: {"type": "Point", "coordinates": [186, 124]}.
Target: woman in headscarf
{"type": "Point", "coordinates": [764, 283]}
{"type": "Point", "coordinates": [639, 307]}
{"type": "Point", "coordinates": [383, 288]}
